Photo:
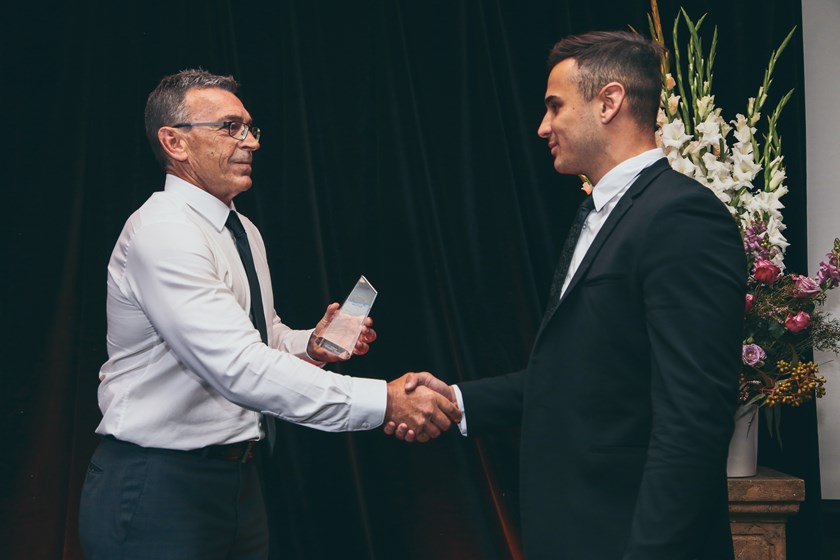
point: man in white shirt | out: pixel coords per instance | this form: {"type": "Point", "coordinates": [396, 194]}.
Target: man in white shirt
{"type": "Point", "coordinates": [193, 384]}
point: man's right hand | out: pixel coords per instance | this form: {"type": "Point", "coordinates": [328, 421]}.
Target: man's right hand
{"type": "Point", "coordinates": [420, 407]}
{"type": "Point", "coordinates": [426, 382]}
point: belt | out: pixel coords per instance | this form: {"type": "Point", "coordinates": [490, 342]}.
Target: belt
{"type": "Point", "coordinates": [242, 451]}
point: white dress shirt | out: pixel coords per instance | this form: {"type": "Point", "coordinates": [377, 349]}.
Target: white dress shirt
{"type": "Point", "coordinates": [186, 367]}
{"type": "Point", "coordinates": [605, 196]}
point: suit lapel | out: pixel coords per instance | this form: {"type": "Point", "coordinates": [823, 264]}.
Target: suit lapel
{"type": "Point", "coordinates": [645, 178]}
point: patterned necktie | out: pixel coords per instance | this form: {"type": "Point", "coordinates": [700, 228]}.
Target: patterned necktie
{"type": "Point", "coordinates": [566, 255]}
{"type": "Point", "coordinates": [257, 312]}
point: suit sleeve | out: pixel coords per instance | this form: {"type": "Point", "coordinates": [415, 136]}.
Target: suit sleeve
{"type": "Point", "coordinates": [493, 403]}
{"type": "Point", "coordinates": [693, 278]}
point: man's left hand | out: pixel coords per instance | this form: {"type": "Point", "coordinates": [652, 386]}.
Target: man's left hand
{"type": "Point", "coordinates": [318, 353]}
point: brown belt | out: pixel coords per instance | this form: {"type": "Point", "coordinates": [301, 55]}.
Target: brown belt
{"type": "Point", "coordinates": [242, 451]}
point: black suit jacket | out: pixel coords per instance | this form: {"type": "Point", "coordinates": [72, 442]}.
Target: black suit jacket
{"type": "Point", "coordinates": [627, 401]}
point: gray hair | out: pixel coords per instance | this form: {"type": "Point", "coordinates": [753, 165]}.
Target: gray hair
{"type": "Point", "coordinates": [166, 104]}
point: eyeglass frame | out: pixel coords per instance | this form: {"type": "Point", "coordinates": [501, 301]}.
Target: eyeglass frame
{"type": "Point", "coordinates": [255, 130]}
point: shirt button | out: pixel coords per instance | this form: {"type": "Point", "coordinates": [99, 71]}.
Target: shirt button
{"type": "Point", "coordinates": [365, 425]}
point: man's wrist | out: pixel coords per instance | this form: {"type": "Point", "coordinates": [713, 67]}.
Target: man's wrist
{"type": "Point", "coordinates": [459, 399]}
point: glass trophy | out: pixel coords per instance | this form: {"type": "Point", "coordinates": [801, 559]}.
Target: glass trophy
{"type": "Point", "coordinates": [342, 333]}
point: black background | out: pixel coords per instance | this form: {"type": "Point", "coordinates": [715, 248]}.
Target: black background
{"type": "Point", "coordinates": [399, 142]}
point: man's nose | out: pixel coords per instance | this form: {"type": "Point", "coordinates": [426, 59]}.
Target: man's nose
{"type": "Point", "coordinates": [250, 142]}
{"type": "Point", "coordinates": [544, 129]}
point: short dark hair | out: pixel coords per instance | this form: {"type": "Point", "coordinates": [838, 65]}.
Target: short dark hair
{"type": "Point", "coordinates": [616, 56]}
{"type": "Point", "coordinates": [165, 105]}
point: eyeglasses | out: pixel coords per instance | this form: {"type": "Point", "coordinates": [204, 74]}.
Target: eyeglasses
{"type": "Point", "coordinates": [236, 129]}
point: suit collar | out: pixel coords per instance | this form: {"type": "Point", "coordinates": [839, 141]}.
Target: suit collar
{"type": "Point", "coordinates": [621, 177]}
{"type": "Point", "coordinates": [645, 178]}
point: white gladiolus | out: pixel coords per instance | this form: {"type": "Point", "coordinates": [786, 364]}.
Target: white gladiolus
{"type": "Point", "coordinates": [661, 120]}
{"type": "Point", "coordinates": [693, 148]}
{"type": "Point", "coordinates": [780, 192]}
{"type": "Point", "coordinates": [725, 129]}
{"type": "Point", "coordinates": [743, 131]}
{"type": "Point", "coordinates": [777, 178]}
{"type": "Point", "coordinates": [673, 134]}
{"type": "Point", "coordinates": [777, 241]}
{"type": "Point", "coordinates": [715, 167]}
{"type": "Point", "coordinates": [723, 189]}
{"type": "Point", "coordinates": [673, 104]}
{"type": "Point", "coordinates": [681, 164]}
{"type": "Point", "coordinates": [704, 106]}
{"type": "Point", "coordinates": [774, 234]}
{"type": "Point", "coordinates": [743, 149]}
{"type": "Point", "coordinates": [766, 203]}
{"type": "Point", "coordinates": [745, 168]}
{"type": "Point", "coordinates": [729, 168]}
{"type": "Point", "coordinates": [710, 131]}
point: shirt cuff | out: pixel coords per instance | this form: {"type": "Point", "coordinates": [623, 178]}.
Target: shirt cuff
{"type": "Point", "coordinates": [369, 398]}
{"type": "Point", "coordinates": [303, 338]}
{"type": "Point", "coordinates": [462, 425]}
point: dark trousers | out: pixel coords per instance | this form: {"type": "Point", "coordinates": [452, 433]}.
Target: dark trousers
{"type": "Point", "coordinates": [141, 503]}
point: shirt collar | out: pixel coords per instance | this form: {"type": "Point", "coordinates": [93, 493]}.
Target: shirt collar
{"type": "Point", "coordinates": [619, 178]}
{"type": "Point", "coordinates": [214, 210]}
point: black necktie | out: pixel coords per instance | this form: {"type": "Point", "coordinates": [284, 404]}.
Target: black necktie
{"type": "Point", "coordinates": [257, 312]}
{"type": "Point", "coordinates": [566, 255]}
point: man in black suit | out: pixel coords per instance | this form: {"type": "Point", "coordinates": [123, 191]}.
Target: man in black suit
{"type": "Point", "coordinates": [627, 402]}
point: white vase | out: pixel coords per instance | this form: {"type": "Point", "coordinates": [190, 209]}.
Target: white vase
{"type": "Point", "coordinates": [743, 448]}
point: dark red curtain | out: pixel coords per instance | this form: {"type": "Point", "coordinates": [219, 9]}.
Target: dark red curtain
{"type": "Point", "coordinates": [400, 143]}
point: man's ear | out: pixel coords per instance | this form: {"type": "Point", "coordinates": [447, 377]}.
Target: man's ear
{"type": "Point", "coordinates": [612, 100]}
{"type": "Point", "coordinates": [172, 143]}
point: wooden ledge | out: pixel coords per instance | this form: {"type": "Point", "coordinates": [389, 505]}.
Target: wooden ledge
{"type": "Point", "coordinates": [759, 507]}
{"type": "Point", "coordinates": [768, 493]}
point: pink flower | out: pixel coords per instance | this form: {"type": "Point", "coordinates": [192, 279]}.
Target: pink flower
{"type": "Point", "coordinates": [805, 287]}
{"type": "Point", "coordinates": [749, 303]}
{"type": "Point", "coordinates": [752, 354]}
{"type": "Point", "coordinates": [829, 274]}
{"type": "Point", "coordinates": [766, 271]}
{"type": "Point", "coordinates": [798, 323]}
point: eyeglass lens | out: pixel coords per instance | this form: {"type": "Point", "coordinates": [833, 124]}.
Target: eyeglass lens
{"type": "Point", "coordinates": [240, 130]}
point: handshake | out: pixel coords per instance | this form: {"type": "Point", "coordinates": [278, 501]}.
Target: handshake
{"type": "Point", "coordinates": [420, 407]}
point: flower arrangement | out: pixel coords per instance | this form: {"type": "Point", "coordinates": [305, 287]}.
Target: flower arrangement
{"type": "Point", "coordinates": [783, 321]}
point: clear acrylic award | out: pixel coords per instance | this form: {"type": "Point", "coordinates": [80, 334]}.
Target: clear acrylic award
{"type": "Point", "coordinates": [342, 333]}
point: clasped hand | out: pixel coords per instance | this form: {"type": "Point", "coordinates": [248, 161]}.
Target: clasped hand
{"type": "Point", "coordinates": [420, 407]}
{"type": "Point", "coordinates": [320, 354]}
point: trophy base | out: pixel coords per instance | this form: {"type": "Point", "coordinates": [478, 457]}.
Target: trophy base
{"type": "Point", "coordinates": [332, 347]}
